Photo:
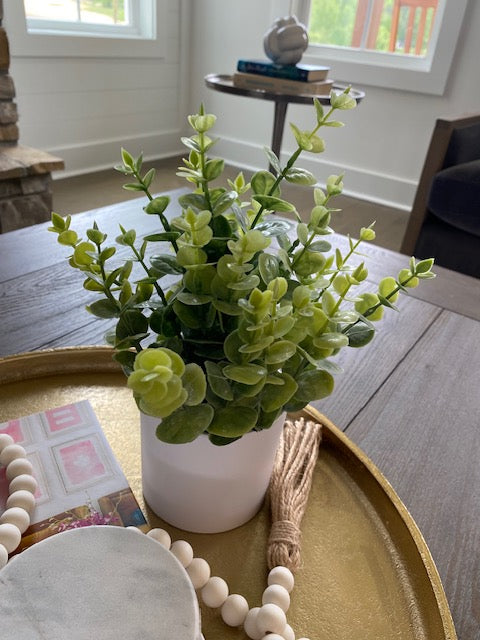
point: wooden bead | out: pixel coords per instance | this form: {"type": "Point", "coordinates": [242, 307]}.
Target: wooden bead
{"type": "Point", "coordinates": [5, 440]}
{"type": "Point", "coordinates": [271, 619]}
{"type": "Point", "coordinates": [281, 576]}
{"type": "Point", "coordinates": [199, 572]}
{"type": "Point", "coordinates": [11, 452]}
{"type": "Point", "coordinates": [234, 610]}
{"type": "Point", "coordinates": [183, 551]}
{"type": "Point", "coordinates": [161, 536]}
{"type": "Point", "coordinates": [17, 516]}
{"type": "Point", "coordinates": [3, 556]}
{"type": "Point", "coordinates": [250, 625]}
{"type": "Point", "coordinates": [215, 592]}
{"type": "Point", "coordinates": [17, 467]}
{"type": "Point", "coordinates": [288, 633]}
{"type": "Point", "coordinates": [10, 536]}
{"type": "Point", "coordinates": [23, 499]}
{"type": "Point", "coordinates": [276, 594]}
{"type": "Point", "coordinates": [24, 482]}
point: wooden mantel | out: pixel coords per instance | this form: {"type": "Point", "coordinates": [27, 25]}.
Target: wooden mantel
{"type": "Point", "coordinates": [25, 173]}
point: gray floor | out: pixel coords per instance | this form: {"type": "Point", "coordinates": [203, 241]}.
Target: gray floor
{"type": "Point", "coordinates": [81, 193]}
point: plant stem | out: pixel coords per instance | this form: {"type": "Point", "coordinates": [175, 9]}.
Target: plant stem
{"type": "Point", "coordinates": [163, 219]}
{"type": "Point", "coordinates": [289, 164]}
{"type": "Point", "coordinates": [158, 288]}
{"type": "Point", "coordinates": [206, 191]}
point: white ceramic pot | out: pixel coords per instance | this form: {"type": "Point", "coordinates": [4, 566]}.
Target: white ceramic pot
{"type": "Point", "coordinates": [203, 488]}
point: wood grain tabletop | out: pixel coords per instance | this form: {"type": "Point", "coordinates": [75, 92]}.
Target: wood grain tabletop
{"type": "Point", "coordinates": [410, 399]}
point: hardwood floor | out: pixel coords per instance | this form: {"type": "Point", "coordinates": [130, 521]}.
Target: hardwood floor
{"type": "Point", "coordinates": [81, 193]}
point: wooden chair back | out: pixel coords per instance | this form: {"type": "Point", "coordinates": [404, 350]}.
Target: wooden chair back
{"type": "Point", "coordinates": [454, 141]}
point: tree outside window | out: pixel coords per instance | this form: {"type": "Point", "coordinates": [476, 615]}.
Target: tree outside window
{"type": "Point", "coordinates": [398, 26]}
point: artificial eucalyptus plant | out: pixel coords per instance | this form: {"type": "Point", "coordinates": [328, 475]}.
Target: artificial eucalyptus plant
{"type": "Point", "coordinates": [236, 318]}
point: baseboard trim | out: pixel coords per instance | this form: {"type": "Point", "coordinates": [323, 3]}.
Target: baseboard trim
{"type": "Point", "coordinates": [388, 190]}
{"type": "Point", "coordinates": [384, 189]}
{"type": "Point", "coordinates": [106, 153]}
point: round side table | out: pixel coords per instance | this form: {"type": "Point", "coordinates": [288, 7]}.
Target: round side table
{"type": "Point", "coordinates": [224, 83]}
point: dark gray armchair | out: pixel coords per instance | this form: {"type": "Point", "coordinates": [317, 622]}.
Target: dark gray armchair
{"type": "Point", "coordinates": [445, 218]}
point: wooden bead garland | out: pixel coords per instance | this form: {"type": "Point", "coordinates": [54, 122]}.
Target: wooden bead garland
{"type": "Point", "coordinates": [15, 520]}
{"type": "Point", "coordinates": [267, 622]}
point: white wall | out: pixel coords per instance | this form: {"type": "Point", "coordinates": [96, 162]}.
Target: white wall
{"type": "Point", "coordinates": [84, 109]}
{"type": "Point", "coordinates": [381, 149]}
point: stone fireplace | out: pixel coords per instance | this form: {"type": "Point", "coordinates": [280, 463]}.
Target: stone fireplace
{"type": "Point", "coordinates": [25, 173]}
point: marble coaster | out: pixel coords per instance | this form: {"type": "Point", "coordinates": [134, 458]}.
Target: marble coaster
{"type": "Point", "coordinates": [97, 582]}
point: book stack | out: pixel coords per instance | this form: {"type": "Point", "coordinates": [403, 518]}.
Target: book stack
{"type": "Point", "coordinates": [299, 79]}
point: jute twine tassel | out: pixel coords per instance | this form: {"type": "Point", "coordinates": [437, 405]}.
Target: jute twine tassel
{"type": "Point", "coordinates": [289, 489]}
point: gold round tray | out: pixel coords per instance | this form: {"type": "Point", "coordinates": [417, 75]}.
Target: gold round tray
{"type": "Point", "coordinates": [367, 573]}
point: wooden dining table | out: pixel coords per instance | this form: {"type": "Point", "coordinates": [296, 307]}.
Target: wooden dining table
{"type": "Point", "coordinates": [410, 399]}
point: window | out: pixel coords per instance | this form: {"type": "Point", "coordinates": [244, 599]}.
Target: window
{"type": "Point", "coordinates": [382, 42]}
{"type": "Point", "coordinates": [397, 26]}
{"type": "Point", "coordinates": [86, 28]}
{"type": "Point", "coordinates": [101, 18]}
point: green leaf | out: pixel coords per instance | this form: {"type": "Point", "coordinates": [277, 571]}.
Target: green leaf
{"type": "Point", "coordinates": [245, 284]}
{"type": "Point", "coordinates": [157, 205]}
{"type": "Point", "coordinates": [262, 182]}
{"type": "Point", "coordinates": [328, 302]}
{"type": "Point", "coordinates": [104, 309]}
{"type": "Point", "coordinates": [218, 441]}
{"type": "Point", "coordinates": [133, 186]}
{"type": "Point", "coordinates": [274, 397]}
{"type": "Point", "coordinates": [233, 421]}
{"type": "Point", "coordinates": [231, 346]}
{"type": "Point", "coordinates": [127, 159]}
{"type": "Point", "coordinates": [423, 266]}
{"type": "Point", "coordinates": [320, 245]}
{"type": "Point", "coordinates": [167, 236]}
{"type": "Point", "coordinates": [313, 385]}
{"type": "Point", "coordinates": [268, 267]}
{"type": "Point", "coordinates": [224, 202]}
{"type": "Point", "coordinates": [193, 299]}
{"type": "Point", "coordinates": [194, 200]}
{"type": "Point", "coordinates": [165, 264]}
{"type": "Point", "coordinates": [195, 384]}
{"type": "Point", "coordinates": [279, 228]}
{"type": "Point", "coordinates": [130, 323]}
{"type": "Point", "coordinates": [272, 159]}
{"type": "Point", "coordinates": [58, 222]}
{"type": "Point", "coordinates": [280, 351]}
{"type": "Point", "coordinates": [331, 341]}
{"type": "Point", "coordinates": [213, 169]}
{"type": "Point", "coordinates": [359, 335]}
{"type": "Point", "coordinates": [185, 424]}
{"type": "Point", "coordinates": [318, 109]}
{"type": "Point", "coordinates": [302, 138]}
{"type": "Point", "coordinates": [274, 204]}
{"type": "Point", "coordinates": [126, 359]}
{"type": "Point", "coordinates": [191, 143]}
{"type": "Point", "coordinates": [300, 176]}
{"type": "Point", "coordinates": [245, 373]}
{"type": "Point", "coordinates": [148, 177]}
{"type": "Point", "coordinates": [217, 381]}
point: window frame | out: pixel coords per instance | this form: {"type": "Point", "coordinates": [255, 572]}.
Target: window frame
{"type": "Point", "coordinates": [149, 43]}
{"type": "Point", "coordinates": [427, 74]}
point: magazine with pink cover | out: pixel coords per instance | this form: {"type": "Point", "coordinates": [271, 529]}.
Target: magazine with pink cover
{"type": "Point", "coordinates": [79, 479]}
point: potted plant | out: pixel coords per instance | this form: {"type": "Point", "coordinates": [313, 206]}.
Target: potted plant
{"type": "Point", "coordinates": [229, 316]}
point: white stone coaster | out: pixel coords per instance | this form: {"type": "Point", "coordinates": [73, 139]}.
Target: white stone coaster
{"type": "Point", "coordinates": [97, 582]}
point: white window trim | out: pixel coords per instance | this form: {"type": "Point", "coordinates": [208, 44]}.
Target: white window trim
{"type": "Point", "coordinates": [24, 44]}
{"type": "Point", "coordinates": [377, 68]}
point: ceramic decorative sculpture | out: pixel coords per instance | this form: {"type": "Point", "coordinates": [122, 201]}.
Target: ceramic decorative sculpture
{"type": "Point", "coordinates": [286, 41]}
